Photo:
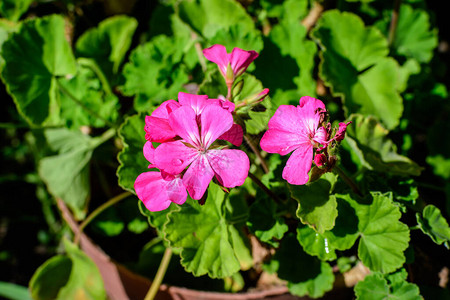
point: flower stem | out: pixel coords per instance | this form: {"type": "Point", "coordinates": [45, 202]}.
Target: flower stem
{"type": "Point", "coordinates": [159, 275]}
{"type": "Point", "coordinates": [98, 210]}
{"type": "Point", "coordinates": [394, 21]}
{"type": "Point", "coordinates": [199, 51]}
{"type": "Point", "coordinates": [314, 14]}
{"type": "Point", "coordinates": [255, 150]}
{"type": "Point", "coordinates": [81, 104]}
{"type": "Point", "coordinates": [347, 180]}
{"type": "Point", "coordinates": [264, 187]}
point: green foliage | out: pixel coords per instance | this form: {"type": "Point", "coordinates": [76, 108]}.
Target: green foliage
{"type": "Point", "coordinates": [14, 9]}
{"type": "Point", "coordinates": [68, 277]}
{"type": "Point", "coordinates": [394, 286]}
{"type": "Point", "coordinates": [13, 291]}
{"type": "Point", "coordinates": [356, 67]}
{"type": "Point", "coordinates": [433, 224]}
{"type": "Point", "coordinates": [37, 54]}
{"type": "Point", "coordinates": [211, 243]}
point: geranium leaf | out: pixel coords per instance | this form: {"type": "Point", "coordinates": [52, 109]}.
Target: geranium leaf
{"type": "Point", "coordinates": [342, 237]}
{"type": "Point", "coordinates": [433, 224]}
{"type": "Point", "coordinates": [383, 237]}
{"type": "Point", "coordinates": [131, 158]}
{"type": "Point", "coordinates": [378, 287]}
{"type": "Point", "coordinates": [13, 9]}
{"type": "Point", "coordinates": [316, 207]}
{"type": "Point", "coordinates": [306, 275]}
{"type": "Point", "coordinates": [413, 37]}
{"type": "Point", "coordinates": [208, 16]}
{"type": "Point", "coordinates": [107, 43]}
{"type": "Point", "coordinates": [355, 66]}
{"type": "Point", "coordinates": [154, 73]}
{"type": "Point", "coordinates": [206, 237]}
{"type": "Point", "coordinates": [369, 142]}
{"type": "Point", "coordinates": [238, 36]}
{"type": "Point", "coordinates": [67, 173]}
{"type": "Point", "coordinates": [68, 277]}
{"type": "Point", "coordinates": [37, 53]}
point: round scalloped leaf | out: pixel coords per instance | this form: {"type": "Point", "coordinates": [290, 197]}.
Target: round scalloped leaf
{"type": "Point", "coordinates": [377, 287]}
{"type": "Point", "coordinates": [342, 237]}
{"type": "Point", "coordinates": [433, 224]}
{"type": "Point", "coordinates": [355, 66]}
{"type": "Point", "coordinates": [413, 37]}
{"type": "Point", "coordinates": [383, 237]}
{"type": "Point", "coordinates": [316, 207]}
{"type": "Point", "coordinates": [209, 16]}
{"type": "Point", "coordinates": [13, 9]}
{"type": "Point", "coordinates": [369, 143]}
{"type": "Point", "coordinates": [131, 158]}
{"type": "Point", "coordinates": [107, 43]}
{"type": "Point", "coordinates": [74, 276]}
{"type": "Point", "coordinates": [37, 53]}
{"type": "Point", "coordinates": [209, 242]}
{"type": "Point", "coordinates": [154, 73]}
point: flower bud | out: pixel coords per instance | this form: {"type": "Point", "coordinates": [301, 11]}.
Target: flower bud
{"type": "Point", "coordinates": [238, 87]}
{"type": "Point", "coordinates": [320, 159]}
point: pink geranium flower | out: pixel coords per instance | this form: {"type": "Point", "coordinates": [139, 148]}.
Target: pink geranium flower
{"type": "Point", "coordinates": [157, 190]}
{"type": "Point", "coordinates": [196, 152]}
{"type": "Point", "coordinates": [231, 65]}
{"type": "Point", "coordinates": [296, 129]}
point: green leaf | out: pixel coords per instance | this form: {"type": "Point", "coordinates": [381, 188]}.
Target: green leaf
{"type": "Point", "coordinates": [238, 36]}
{"type": "Point", "coordinates": [207, 239]}
{"type": "Point", "coordinates": [209, 16]}
{"type": "Point", "coordinates": [368, 140]}
{"type": "Point", "coordinates": [14, 9]}
{"type": "Point", "coordinates": [378, 287]}
{"type": "Point", "coordinates": [306, 275]}
{"type": "Point", "coordinates": [264, 222]}
{"type": "Point", "coordinates": [413, 37]}
{"type": "Point", "coordinates": [74, 276]}
{"type": "Point", "coordinates": [67, 173]}
{"type": "Point", "coordinates": [433, 224]}
{"type": "Point", "coordinates": [342, 237]}
{"type": "Point", "coordinates": [316, 207]}
{"type": "Point", "coordinates": [37, 54]}
{"type": "Point", "coordinates": [383, 237]}
{"type": "Point", "coordinates": [6, 28]}
{"type": "Point", "coordinates": [86, 87]}
{"type": "Point", "coordinates": [155, 73]}
{"type": "Point", "coordinates": [131, 159]}
{"type": "Point", "coordinates": [14, 291]}
{"type": "Point", "coordinates": [108, 43]}
{"type": "Point", "coordinates": [440, 164]}
{"type": "Point", "coordinates": [355, 66]}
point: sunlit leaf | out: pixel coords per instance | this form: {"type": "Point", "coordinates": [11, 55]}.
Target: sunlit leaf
{"type": "Point", "coordinates": [433, 224]}
{"type": "Point", "coordinates": [206, 237]}
{"type": "Point", "coordinates": [37, 54]}
{"type": "Point", "coordinates": [13, 9]}
{"type": "Point", "coordinates": [356, 67]}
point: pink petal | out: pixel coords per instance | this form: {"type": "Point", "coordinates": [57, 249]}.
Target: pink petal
{"type": "Point", "coordinates": [151, 189]}
{"type": "Point", "coordinates": [217, 54]}
{"type": "Point", "coordinates": [197, 177]}
{"type": "Point", "coordinates": [215, 121]}
{"type": "Point", "coordinates": [184, 124]}
{"type": "Point", "coordinates": [286, 118]}
{"type": "Point", "coordinates": [225, 104]}
{"type": "Point", "coordinates": [321, 136]}
{"type": "Point", "coordinates": [196, 102]}
{"type": "Point", "coordinates": [158, 129]}
{"type": "Point", "coordinates": [174, 157]}
{"type": "Point", "coordinates": [176, 192]}
{"type": "Point", "coordinates": [311, 103]}
{"type": "Point", "coordinates": [282, 142]}
{"type": "Point", "coordinates": [165, 109]}
{"type": "Point", "coordinates": [234, 135]}
{"type": "Point", "coordinates": [340, 135]}
{"type": "Point", "coordinates": [241, 59]}
{"type": "Point", "coordinates": [230, 166]}
{"type": "Point", "coordinates": [298, 165]}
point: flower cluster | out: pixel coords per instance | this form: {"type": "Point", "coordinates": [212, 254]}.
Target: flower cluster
{"type": "Point", "coordinates": [189, 155]}
{"type": "Point", "coordinates": [305, 130]}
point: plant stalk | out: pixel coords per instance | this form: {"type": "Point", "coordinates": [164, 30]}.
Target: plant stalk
{"type": "Point", "coordinates": [394, 21]}
{"type": "Point", "coordinates": [264, 187]}
{"type": "Point", "coordinates": [98, 210]}
{"type": "Point", "coordinates": [91, 64]}
{"type": "Point", "coordinates": [347, 180]}
{"type": "Point", "coordinates": [159, 275]}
